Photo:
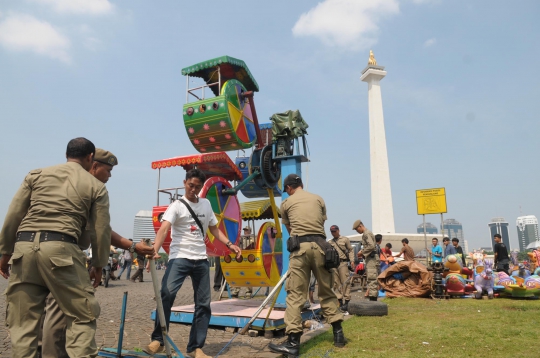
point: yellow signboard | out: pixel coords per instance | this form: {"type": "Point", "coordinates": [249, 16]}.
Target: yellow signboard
{"type": "Point", "coordinates": [431, 201]}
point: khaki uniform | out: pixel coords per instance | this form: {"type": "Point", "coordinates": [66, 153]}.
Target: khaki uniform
{"type": "Point", "coordinates": [63, 199]}
{"type": "Point", "coordinates": [372, 262]}
{"type": "Point", "coordinates": [342, 286]}
{"type": "Point", "coordinates": [54, 331]}
{"type": "Point", "coordinates": [248, 242]}
{"type": "Point", "coordinates": [306, 214]}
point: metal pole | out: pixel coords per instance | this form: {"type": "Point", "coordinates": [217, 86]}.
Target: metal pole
{"type": "Point", "coordinates": [219, 78]}
{"type": "Point", "coordinates": [158, 180]}
{"type": "Point", "coordinates": [261, 307]}
{"type": "Point", "coordinates": [122, 322]}
{"type": "Point", "coordinates": [187, 88]}
{"type": "Point", "coordinates": [425, 237]}
{"type": "Point", "coordinates": [442, 228]}
{"type": "Point", "coordinates": [160, 312]}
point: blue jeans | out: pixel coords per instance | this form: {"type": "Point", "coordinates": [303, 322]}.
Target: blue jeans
{"type": "Point", "coordinates": [175, 274]}
{"type": "Point", "coordinates": [127, 264]}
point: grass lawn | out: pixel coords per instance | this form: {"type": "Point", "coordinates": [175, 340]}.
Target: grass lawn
{"type": "Point", "coordinates": [417, 327]}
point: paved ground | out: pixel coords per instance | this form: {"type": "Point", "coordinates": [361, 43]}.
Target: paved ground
{"type": "Point", "coordinates": [139, 326]}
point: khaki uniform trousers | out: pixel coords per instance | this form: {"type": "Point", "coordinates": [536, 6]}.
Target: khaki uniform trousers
{"type": "Point", "coordinates": [54, 331]}
{"type": "Point", "coordinates": [371, 274]}
{"type": "Point", "coordinates": [341, 277]}
{"type": "Point", "coordinates": [38, 269]}
{"type": "Point", "coordinates": [309, 258]}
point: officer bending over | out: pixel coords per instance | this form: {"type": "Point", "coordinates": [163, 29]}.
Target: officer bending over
{"type": "Point", "coordinates": [369, 250]}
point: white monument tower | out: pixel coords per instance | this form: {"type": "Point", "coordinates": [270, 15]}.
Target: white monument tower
{"type": "Point", "coordinates": [381, 194]}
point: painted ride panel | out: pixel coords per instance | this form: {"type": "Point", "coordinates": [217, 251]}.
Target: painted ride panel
{"type": "Point", "coordinates": [221, 123]}
{"type": "Point", "coordinates": [260, 265]}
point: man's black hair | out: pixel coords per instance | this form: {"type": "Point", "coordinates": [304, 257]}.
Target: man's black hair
{"type": "Point", "coordinates": [455, 239]}
{"type": "Point", "coordinates": [405, 240]}
{"type": "Point", "coordinates": [295, 185]}
{"type": "Point", "coordinates": [435, 239]}
{"type": "Point", "coordinates": [389, 245]}
{"type": "Point", "coordinates": [196, 173]}
{"type": "Point", "coordinates": [378, 238]}
{"type": "Point", "coordinates": [446, 239]}
{"type": "Point", "coordinates": [79, 148]}
{"type": "Point", "coordinates": [497, 235]}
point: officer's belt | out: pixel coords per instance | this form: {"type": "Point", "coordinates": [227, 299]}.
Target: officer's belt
{"type": "Point", "coordinates": [45, 236]}
{"type": "Point", "coordinates": [310, 238]}
{"type": "Point", "coordinates": [341, 260]}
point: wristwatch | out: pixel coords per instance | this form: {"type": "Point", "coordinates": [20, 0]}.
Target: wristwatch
{"type": "Point", "coordinates": [228, 244]}
{"type": "Point", "coordinates": [132, 248]}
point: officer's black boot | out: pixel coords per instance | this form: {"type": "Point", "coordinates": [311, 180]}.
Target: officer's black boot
{"type": "Point", "coordinates": [290, 348]}
{"type": "Point", "coordinates": [345, 306]}
{"type": "Point", "coordinates": [339, 336]}
{"type": "Point", "coordinates": [340, 303]}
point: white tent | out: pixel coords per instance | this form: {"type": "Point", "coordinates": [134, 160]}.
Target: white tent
{"type": "Point", "coordinates": [534, 245]}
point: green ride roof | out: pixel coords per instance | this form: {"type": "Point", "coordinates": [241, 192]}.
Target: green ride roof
{"type": "Point", "coordinates": [230, 68]}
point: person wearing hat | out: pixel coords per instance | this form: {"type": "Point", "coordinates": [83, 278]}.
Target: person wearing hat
{"type": "Point", "coordinates": [54, 320]}
{"type": "Point", "coordinates": [304, 214]}
{"type": "Point", "coordinates": [42, 238]}
{"type": "Point", "coordinates": [342, 283]}
{"type": "Point", "coordinates": [372, 263]}
{"type": "Point", "coordinates": [248, 241]}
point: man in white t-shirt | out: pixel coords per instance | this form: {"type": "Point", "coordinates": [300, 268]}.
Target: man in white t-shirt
{"type": "Point", "coordinates": [187, 257]}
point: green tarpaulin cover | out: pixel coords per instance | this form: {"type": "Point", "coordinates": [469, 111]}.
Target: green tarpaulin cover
{"type": "Point", "coordinates": [288, 124]}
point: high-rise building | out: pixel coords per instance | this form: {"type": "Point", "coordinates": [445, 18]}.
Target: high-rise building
{"type": "Point", "coordinates": [143, 227]}
{"type": "Point", "coordinates": [430, 229]}
{"type": "Point", "coordinates": [453, 228]}
{"type": "Point", "coordinates": [499, 226]}
{"type": "Point", "coordinates": [527, 228]}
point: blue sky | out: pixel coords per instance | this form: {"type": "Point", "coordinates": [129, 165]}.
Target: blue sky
{"type": "Point", "coordinates": [460, 98]}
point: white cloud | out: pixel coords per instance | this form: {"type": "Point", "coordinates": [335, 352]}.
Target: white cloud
{"type": "Point", "coordinates": [352, 24]}
{"type": "Point", "coordinates": [430, 42]}
{"type": "Point", "coordinates": [21, 32]}
{"type": "Point", "coordinates": [91, 7]}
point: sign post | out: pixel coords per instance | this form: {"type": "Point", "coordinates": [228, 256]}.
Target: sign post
{"type": "Point", "coordinates": [431, 201]}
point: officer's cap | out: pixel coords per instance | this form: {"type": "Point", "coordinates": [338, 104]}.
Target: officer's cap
{"type": "Point", "coordinates": [356, 224]}
{"type": "Point", "coordinates": [105, 157]}
{"type": "Point", "coordinates": [292, 179]}
{"type": "Point", "coordinates": [247, 228]}
{"type": "Point", "coordinates": [334, 228]}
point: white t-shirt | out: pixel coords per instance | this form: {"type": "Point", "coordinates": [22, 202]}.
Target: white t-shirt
{"type": "Point", "coordinates": [187, 239]}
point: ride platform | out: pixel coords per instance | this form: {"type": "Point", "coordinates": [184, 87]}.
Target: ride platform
{"type": "Point", "coordinates": [237, 313]}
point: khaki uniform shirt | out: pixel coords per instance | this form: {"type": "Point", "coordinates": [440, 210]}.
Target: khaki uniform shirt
{"type": "Point", "coordinates": [248, 242]}
{"type": "Point", "coordinates": [304, 212]}
{"type": "Point", "coordinates": [344, 248]}
{"type": "Point", "coordinates": [369, 243]}
{"type": "Point", "coordinates": [64, 198]}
